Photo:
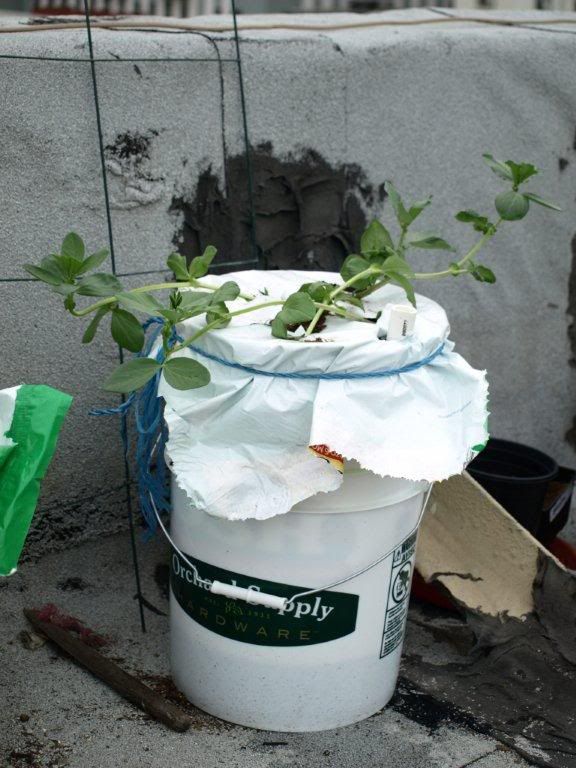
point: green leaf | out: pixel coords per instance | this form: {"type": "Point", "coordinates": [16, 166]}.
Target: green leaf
{"type": "Point", "coordinates": [482, 274]}
{"type": "Point", "coordinates": [376, 239]}
{"type": "Point", "coordinates": [226, 292]}
{"type": "Point", "coordinates": [173, 315]}
{"type": "Point", "coordinates": [139, 302]}
{"type": "Point", "coordinates": [65, 289]}
{"type": "Point", "coordinates": [201, 264]}
{"type": "Point", "coordinates": [126, 330]}
{"type": "Point", "coordinates": [499, 168]}
{"type": "Point", "coordinates": [398, 205]}
{"type": "Point", "coordinates": [480, 223]}
{"type": "Point", "coordinates": [404, 283]}
{"type": "Point", "coordinates": [469, 216]}
{"type": "Point", "coordinates": [416, 209]}
{"type": "Point", "coordinates": [99, 284]}
{"type": "Point", "coordinates": [318, 291]}
{"type": "Point", "coordinates": [93, 261]}
{"type": "Point", "coordinates": [177, 263]}
{"type": "Point", "coordinates": [68, 266]}
{"type": "Point", "coordinates": [90, 331]}
{"type": "Point", "coordinates": [184, 304]}
{"type": "Point", "coordinates": [352, 266]}
{"type": "Point", "coordinates": [132, 375]}
{"type": "Point", "coordinates": [50, 264]}
{"type": "Point", "coordinates": [69, 302]}
{"type": "Point", "coordinates": [279, 329]}
{"type": "Point", "coordinates": [521, 172]}
{"type": "Point", "coordinates": [175, 298]}
{"type": "Point", "coordinates": [42, 274]}
{"type": "Point", "coordinates": [350, 299]}
{"type": "Point", "coordinates": [540, 201]}
{"type": "Point", "coordinates": [218, 313]}
{"type": "Point", "coordinates": [427, 240]}
{"type": "Point", "coordinates": [184, 373]}
{"type": "Point", "coordinates": [73, 246]}
{"type": "Point", "coordinates": [405, 216]}
{"type": "Point", "coordinates": [396, 263]}
{"type": "Point", "coordinates": [194, 302]}
{"type": "Point", "coordinates": [511, 205]}
{"type": "Point", "coordinates": [298, 308]}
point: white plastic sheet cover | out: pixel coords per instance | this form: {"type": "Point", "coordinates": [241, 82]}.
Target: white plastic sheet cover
{"type": "Point", "coordinates": [7, 405]}
{"type": "Point", "coordinates": [240, 446]}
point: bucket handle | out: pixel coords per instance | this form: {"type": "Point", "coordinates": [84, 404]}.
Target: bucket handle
{"type": "Point", "coordinates": [256, 597]}
{"type": "Point", "coordinates": [252, 596]}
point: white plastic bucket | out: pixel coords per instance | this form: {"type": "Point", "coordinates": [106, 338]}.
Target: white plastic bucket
{"type": "Point", "coordinates": [330, 660]}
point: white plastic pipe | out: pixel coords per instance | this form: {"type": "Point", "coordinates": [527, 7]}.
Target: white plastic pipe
{"type": "Point", "coordinates": [248, 595]}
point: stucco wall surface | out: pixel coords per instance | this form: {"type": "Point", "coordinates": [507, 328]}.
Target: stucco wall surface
{"type": "Point", "coordinates": [332, 114]}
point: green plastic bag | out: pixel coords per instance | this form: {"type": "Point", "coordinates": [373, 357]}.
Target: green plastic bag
{"type": "Point", "coordinates": [30, 420]}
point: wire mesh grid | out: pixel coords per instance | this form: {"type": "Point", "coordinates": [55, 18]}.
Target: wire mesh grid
{"type": "Point", "coordinates": [254, 259]}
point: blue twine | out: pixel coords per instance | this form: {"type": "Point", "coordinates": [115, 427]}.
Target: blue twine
{"type": "Point", "coordinates": [330, 376]}
{"type": "Point", "coordinates": [152, 434]}
{"type": "Point", "coordinates": [129, 402]}
{"type": "Point", "coordinates": [152, 472]}
{"type": "Point", "coordinates": [116, 410]}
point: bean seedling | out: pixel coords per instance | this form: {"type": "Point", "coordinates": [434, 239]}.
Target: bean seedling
{"type": "Point", "coordinates": [382, 260]}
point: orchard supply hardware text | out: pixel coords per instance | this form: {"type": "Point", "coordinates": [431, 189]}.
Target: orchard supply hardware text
{"type": "Point", "coordinates": [323, 617]}
{"type": "Point", "coordinates": [318, 610]}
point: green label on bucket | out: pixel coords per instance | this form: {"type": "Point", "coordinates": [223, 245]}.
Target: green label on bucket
{"type": "Point", "coordinates": [398, 594]}
{"type": "Point", "coordinates": [317, 618]}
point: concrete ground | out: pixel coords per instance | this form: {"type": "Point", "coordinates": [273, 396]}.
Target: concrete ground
{"type": "Point", "coordinates": [56, 714]}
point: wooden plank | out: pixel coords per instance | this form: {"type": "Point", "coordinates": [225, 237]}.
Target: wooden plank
{"type": "Point", "coordinates": [106, 670]}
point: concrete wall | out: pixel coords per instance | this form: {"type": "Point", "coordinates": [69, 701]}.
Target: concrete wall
{"type": "Point", "coordinates": [342, 109]}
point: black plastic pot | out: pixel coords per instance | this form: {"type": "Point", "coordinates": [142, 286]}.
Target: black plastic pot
{"type": "Point", "coordinates": [518, 477]}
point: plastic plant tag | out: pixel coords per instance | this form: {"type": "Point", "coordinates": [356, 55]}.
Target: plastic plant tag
{"type": "Point", "coordinates": [30, 420]}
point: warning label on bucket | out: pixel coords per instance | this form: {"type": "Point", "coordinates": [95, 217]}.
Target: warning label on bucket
{"type": "Point", "coordinates": [398, 594]}
{"type": "Point", "coordinates": [315, 618]}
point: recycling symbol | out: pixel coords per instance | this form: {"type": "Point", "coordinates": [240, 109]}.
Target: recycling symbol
{"type": "Point", "coordinates": [401, 583]}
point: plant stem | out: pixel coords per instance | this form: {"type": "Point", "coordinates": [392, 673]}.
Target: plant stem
{"type": "Point", "coordinates": [216, 323]}
{"type": "Point", "coordinates": [333, 309]}
{"type": "Point", "coordinates": [337, 291]}
{"type": "Point", "coordinates": [314, 322]}
{"type": "Point", "coordinates": [373, 288]}
{"type": "Point", "coordinates": [198, 284]}
{"type": "Point", "coordinates": [401, 239]}
{"type": "Point", "coordinates": [114, 299]}
{"type": "Point", "coordinates": [150, 289]}
{"type": "Point", "coordinates": [464, 260]}
{"type": "Point", "coordinates": [209, 326]}
{"type": "Point", "coordinates": [438, 275]}
{"type": "Point", "coordinates": [360, 276]}
{"type": "Point", "coordinates": [93, 307]}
